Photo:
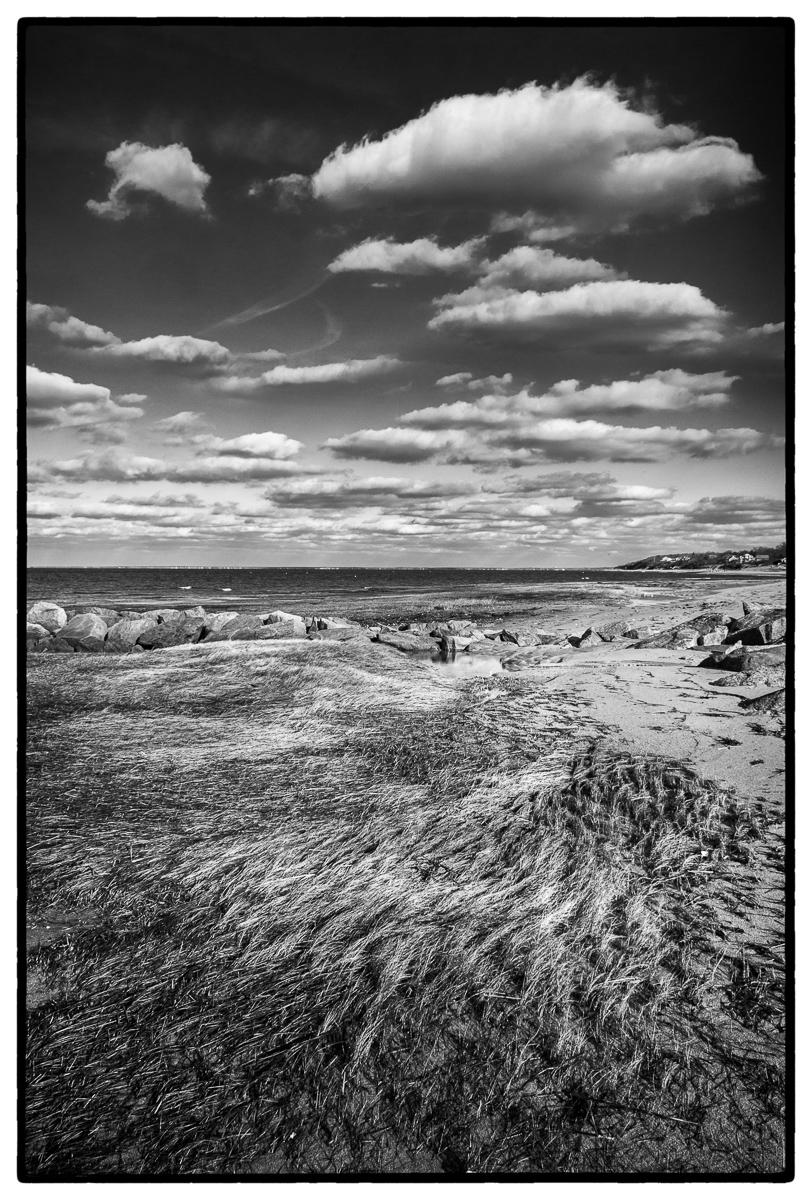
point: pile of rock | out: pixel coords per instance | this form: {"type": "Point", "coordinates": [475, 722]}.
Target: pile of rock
{"type": "Point", "coordinates": [94, 629]}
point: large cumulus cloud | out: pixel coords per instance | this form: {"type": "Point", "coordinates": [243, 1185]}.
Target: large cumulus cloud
{"type": "Point", "coordinates": [584, 154]}
{"type": "Point", "coordinates": [614, 312]}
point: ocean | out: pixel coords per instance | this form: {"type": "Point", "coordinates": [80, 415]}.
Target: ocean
{"type": "Point", "coordinates": [342, 590]}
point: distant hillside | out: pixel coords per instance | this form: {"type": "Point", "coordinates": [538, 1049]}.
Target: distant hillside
{"type": "Point", "coordinates": [719, 560]}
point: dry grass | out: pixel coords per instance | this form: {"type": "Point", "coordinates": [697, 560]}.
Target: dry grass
{"type": "Point", "coordinates": [331, 910]}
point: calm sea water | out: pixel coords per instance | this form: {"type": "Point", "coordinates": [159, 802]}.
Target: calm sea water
{"type": "Point", "coordinates": [339, 590]}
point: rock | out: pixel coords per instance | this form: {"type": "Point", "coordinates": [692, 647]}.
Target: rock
{"type": "Point", "coordinates": [744, 658]}
{"type": "Point", "coordinates": [122, 636]}
{"type": "Point", "coordinates": [272, 618]}
{"type": "Point", "coordinates": [331, 623]}
{"type": "Point", "coordinates": [408, 643]}
{"type": "Point", "coordinates": [687, 634]}
{"type": "Point", "coordinates": [759, 628]}
{"type": "Point", "coordinates": [47, 614]}
{"type": "Point", "coordinates": [36, 638]}
{"type": "Point", "coordinates": [463, 627]}
{"type": "Point", "coordinates": [266, 633]}
{"type": "Point", "coordinates": [590, 637]}
{"type": "Point", "coordinates": [165, 616]}
{"type": "Point", "coordinates": [130, 614]}
{"type": "Point", "coordinates": [490, 634]}
{"type": "Point", "coordinates": [171, 633]}
{"type": "Point", "coordinates": [349, 634]}
{"type": "Point", "coordinates": [197, 611]}
{"type": "Point", "coordinates": [506, 635]}
{"type": "Point", "coordinates": [215, 621]}
{"type": "Point", "coordinates": [241, 623]}
{"type": "Point", "coordinates": [772, 703]}
{"type": "Point", "coordinates": [747, 608]}
{"type": "Point", "coordinates": [714, 637]}
{"type": "Point", "coordinates": [108, 615]}
{"type": "Point", "coordinates": [612, 630]}
{"type": "Point", "coordinates": [85, 632]}
{"type": "Point", "coordinates": [58, 645]}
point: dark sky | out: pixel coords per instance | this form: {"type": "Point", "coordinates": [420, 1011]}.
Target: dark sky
{"type": "Point", "coordinates": [620, 224]}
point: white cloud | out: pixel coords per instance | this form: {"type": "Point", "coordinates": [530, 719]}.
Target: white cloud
{"type": "Point", "coordinates": [376, 490]}
{"type": "Point", "coordinates": [166, 171]}
{"type": "Point", "coordinates": [182, 349]}
{"type": "Point", "coordinates": [395, 445]}
{"type": "Point", "coordinates": [497, 431]}
{"type": "Point", "coordinates": [182, 429]}
{"type": "Point", "coordinates": [112, 465]}
{"type": "Point", "coordinates": [579, 154]}
{"type": "Point", "coordinates": [624, 312]}
{"type": "Point", "coordinates": [68, 329]}
{"type": "Point", "coordinates": [464, 379]}
{"type": "Point", "coordinates": [539, 267]}
{"type": "Point", "coordinates": [533, 227]}
{"type": "Point", "coordinates": [255, 445]}
{"type": "Point", "coordinates": [58, 402]}
{"type": "Point", "coordinates": [661, 391]}
{"type": "Point", "coordinates": [420, 257]}
{"type": "Point", "coordinates": [337, 372]}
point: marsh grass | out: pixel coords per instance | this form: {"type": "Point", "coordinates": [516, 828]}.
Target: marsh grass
{"type": "Point", "coordinates": [330, 911]}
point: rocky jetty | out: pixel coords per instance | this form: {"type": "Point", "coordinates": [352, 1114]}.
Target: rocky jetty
{"type": "Point", "coordinates": [748, 647]}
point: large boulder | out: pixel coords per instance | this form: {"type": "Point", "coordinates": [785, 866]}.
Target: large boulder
{"type": "Point", "coordinates": [242, 624]}
{"type": "Point", "coordinates": [759, 628]}
{"type": "Point", "coordinates": [687, 634]}
{"type": "Point", "coordinates": [612, 630]}
{"type": "Point", "coordinates": [169, 633]}
{"type": "Point", "coordinates": [330, 623]}
{"type": "Point", "coordinates": [36, 637]}
{"type": "Point", "coordinates": [165, 615]}
{"type": "Point", "coordinates": [214, 622]}
{"type": "Point", "coordinates": [278, 615]}
{"type": "Point", "coordinates": [122, 636]}
{"type": "Point", "coordinates": [85, 632]}
{"type": "Point", "coordinates": [197, 611]}
{"type": "Point", "coordinates": [714, 637]}
{"type": "Point", "coordinates": [108, 615]}
{"type": "Point", "coordinates": [744, 658]}
{"type": "Point", "coordinates": [463, 627]}
{"type": "Point", "coordinates": [47, 614]}
{"type": "Point", "coordinates": [408, 643]}
{"type": "Point", "coordinates": [590, 637]}
{"type": "Point", "coordinates": [266, 633]}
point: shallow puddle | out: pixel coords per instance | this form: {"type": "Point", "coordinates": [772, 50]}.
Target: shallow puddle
{"type": "Point", "coordinates": [469, 664]}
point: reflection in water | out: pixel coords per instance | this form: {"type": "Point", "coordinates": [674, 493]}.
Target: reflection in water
{"type": "Point", "coordinates": [470, 664]}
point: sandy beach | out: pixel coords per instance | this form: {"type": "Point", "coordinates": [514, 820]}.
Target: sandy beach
{"type": "Point", "coordinates": [270, 879]}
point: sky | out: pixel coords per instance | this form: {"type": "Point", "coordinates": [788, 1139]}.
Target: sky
{"type": "Point", "coordinates": [427, 295]}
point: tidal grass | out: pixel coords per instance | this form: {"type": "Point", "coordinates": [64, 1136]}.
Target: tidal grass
{"type": "Point", "coordinates": [334, 912]}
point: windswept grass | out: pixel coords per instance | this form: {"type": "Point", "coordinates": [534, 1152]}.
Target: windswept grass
{"type": "Point", "coordinates": [330, 910]}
